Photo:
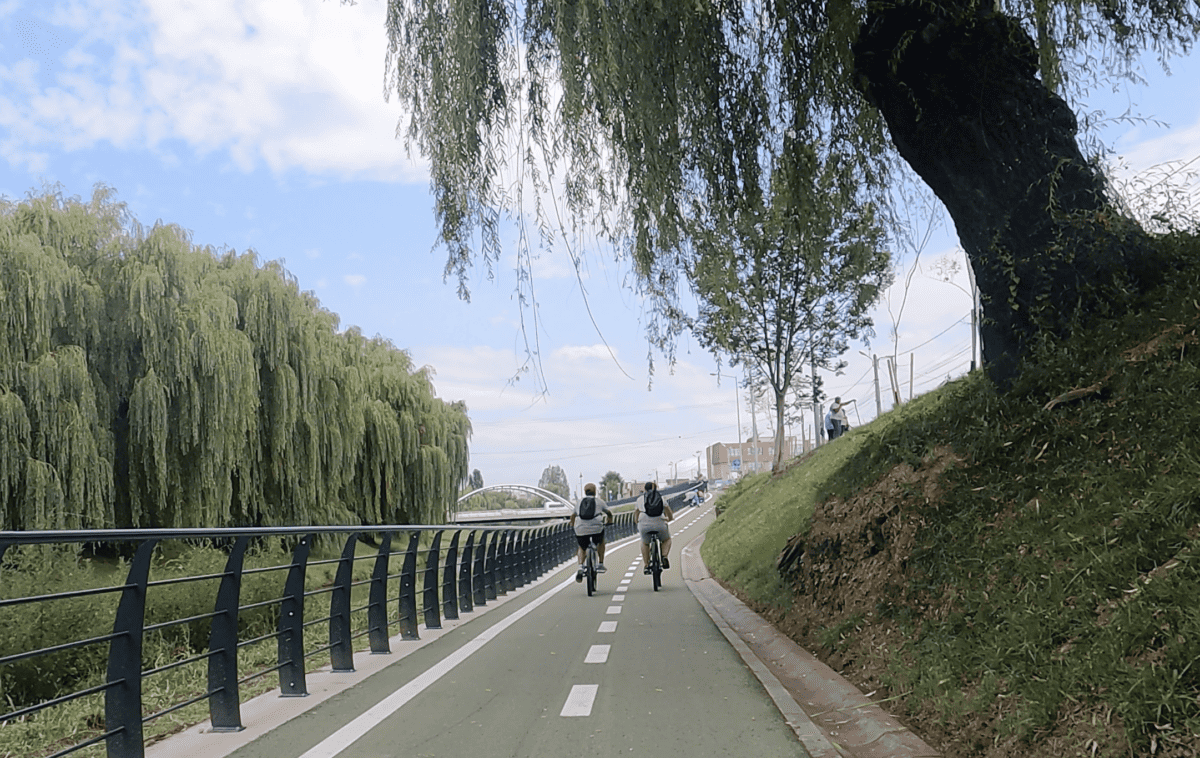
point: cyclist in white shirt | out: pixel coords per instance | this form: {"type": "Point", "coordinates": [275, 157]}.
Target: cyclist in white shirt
{"type": "Point", "coordinates": [591, 530]}
{"type": "Point", "coordinates": [651, 501]}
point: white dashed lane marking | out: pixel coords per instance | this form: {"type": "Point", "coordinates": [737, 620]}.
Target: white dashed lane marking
{"type": "Point", "coordinates": [579, 702]}
{"type": "Point", "coordinates": [583, 696]}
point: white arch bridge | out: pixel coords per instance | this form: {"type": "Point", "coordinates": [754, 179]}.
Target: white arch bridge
{"type": "Point", "coordinates": [542, 504]}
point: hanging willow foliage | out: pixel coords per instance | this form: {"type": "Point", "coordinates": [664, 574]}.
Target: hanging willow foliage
{"type": "Point", "coordinates": [146, 381]}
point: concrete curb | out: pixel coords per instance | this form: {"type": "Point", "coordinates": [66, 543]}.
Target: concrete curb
{"type": "Point", "coordinates": [830, 716]}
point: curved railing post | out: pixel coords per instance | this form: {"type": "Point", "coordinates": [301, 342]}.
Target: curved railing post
{"type": "Point", "coordinates": [546, 542]}
{"type": "Point", "coordinates": [526, 552]}
{"type": "Point", "coordinates": [519, 569]}
{"type": "Point", "coordinates": [291, 625]}
{"type": "Point", "coordinates": [569, 545]}
{"type": "Point", "coordinates": [429, 585]}
{"type": "Point", "coordinates": [508, 564]}
{"type": "Point", "coordinates": [224, 702]}
{"type": "Point", "coordinates": [377, 603]}
{"type": "Point", "coordinates": [449, 579]}
{"type": "Point", "coordinates": [123, 698]}
{"type": "Point", "coordinates": [464, 575]}
{"type": "Point", "coordinates": [492, 567]}
{"type": "Point", "coordinates": [341, 654]}
{"type": "Point", "coordinates": [478, 569]}
{"type": "Point", "coordinates": [408, 591]}
{"type": "Point", "coordinates": [565, 548]}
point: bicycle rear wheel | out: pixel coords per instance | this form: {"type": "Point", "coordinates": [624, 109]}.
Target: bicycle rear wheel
{"type": "Point", "coordinates": [589, 570]}
{"type": "Point", "coordinates": [656, 562]}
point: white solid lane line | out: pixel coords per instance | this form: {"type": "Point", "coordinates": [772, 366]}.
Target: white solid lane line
{"type": "Point", "coordinates": [579, 702]}
{"type": "Point", "coordinates": [344, 737]}
{"type": "Point", "coordinates": [597, 654]}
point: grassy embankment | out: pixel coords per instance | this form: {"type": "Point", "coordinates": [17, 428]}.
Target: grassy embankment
{"type": "Point", "coordinates": [1019, 574]}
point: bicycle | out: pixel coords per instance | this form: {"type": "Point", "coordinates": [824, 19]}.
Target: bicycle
{"type": "Point", "coordinates": [655, 560]}
{"type": "Point", "coordinates": [591, 559]}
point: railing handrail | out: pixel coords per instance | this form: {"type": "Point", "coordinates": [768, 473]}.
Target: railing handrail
{"type": "Point", "coordinates": [58, 536]}
{"type": "Point", "coordinates": [492, 561]}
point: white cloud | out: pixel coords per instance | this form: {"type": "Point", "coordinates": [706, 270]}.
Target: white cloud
{"type": "Point", "coordinates": [583, 352]}
{"type": "Point", "coordinates": [354, 280]}
{"type": "Point", "coordinates": [293, 84]}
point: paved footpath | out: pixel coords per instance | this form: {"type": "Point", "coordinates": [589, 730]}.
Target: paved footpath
{"type": "Point", "coordinates": [553, 672]}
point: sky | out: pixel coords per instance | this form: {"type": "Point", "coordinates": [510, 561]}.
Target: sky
{"type": "Point", "coordinates": [262, 124]}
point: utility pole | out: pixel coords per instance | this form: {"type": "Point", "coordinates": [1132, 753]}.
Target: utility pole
{"type": "Point", "coordinates": [737, 402]}
{"type": "Point", "coordinates": [911, 363]}
{"type": "Point", "coordinates": [891, 362]}
{"type": "Point", "coordinates": [878, 400]}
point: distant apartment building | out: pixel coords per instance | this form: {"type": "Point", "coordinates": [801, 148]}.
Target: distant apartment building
{"type": "Point", "coordinates": [728, 461]}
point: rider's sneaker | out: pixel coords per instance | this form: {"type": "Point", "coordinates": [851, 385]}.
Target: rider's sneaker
{"type": "Point", "coordinates": [647, 571]}
{"type": "Point", "coordinates": [600, 569]}
{"type": "Point", "coordinates": [666, 563]}
{"type": "Point", "coordinates": [579, 574]}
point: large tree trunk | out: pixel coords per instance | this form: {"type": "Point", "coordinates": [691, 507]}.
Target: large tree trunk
{"type": "Point", "coordinates": [959, 92]}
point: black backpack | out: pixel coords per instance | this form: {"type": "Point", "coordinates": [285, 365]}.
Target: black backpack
{"type": "Point", "coordinates": [654, 504]}
{"type": "Point", "coordinates": [587, 508]}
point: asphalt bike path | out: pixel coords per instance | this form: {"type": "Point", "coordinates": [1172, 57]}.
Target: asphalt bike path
{"type": "Point", "coordinates": [628, 671]}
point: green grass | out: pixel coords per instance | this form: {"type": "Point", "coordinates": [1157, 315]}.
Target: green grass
{"type": "Point", "coordinates": [757, 517]}
{"type": "Point", "coordinates": [1058, 571]}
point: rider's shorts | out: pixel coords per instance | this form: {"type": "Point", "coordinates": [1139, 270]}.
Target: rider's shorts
{"type": "Point", "coordinates": [646, 527]}
{"type": "Point", "coordinates": [584, 539]}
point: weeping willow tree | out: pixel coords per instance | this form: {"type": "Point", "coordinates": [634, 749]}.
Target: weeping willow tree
{"type": "Point", "coordinates": [148, 381]}
{"type": "Point", "coordinates": [631, 113]}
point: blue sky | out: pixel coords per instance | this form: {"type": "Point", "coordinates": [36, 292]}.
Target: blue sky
{"type": "Point", "coordinates": [262, 124]}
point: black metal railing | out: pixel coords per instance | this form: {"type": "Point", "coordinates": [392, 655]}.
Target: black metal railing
{"type": "Point", "coordinates": [461, 569]}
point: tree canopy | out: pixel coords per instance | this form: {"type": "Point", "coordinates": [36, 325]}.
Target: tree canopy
{"type": "Point", "coordinates": [610, 485]}
{"type": "Point", "coordinates": [554, 479]}
{"type": "Point", "coordinates": [789, 284]}
{"type": "Point", "coordinates": [147, 381]}
{"type": "Point", "coordinates": [635, 117]}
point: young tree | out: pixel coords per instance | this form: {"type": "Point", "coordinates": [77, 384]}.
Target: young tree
{"type": "Point", "coordinates": [554, 479]}
{"type": "Point", "coordinates": [610, 485]}
{"type": "Point", "coordinates": [791, 283]}
{"type": "Point", "coordinates": [630, 110]}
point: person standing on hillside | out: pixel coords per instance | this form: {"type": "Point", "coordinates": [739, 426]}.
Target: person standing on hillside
{"type": "Point", "coordinates": [653, 513]}
{"type": "Point", "coordinates": [840, 421]}
{"type": "Point", "coordinates": [589, 518]}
